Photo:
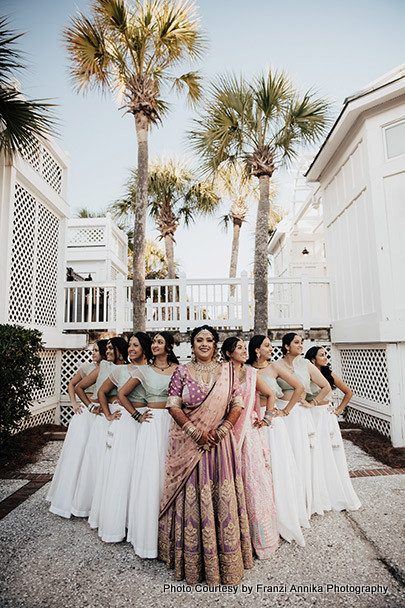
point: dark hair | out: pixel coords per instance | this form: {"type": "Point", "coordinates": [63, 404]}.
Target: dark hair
{"type": "Point", "coordinates": [169, 343]}
{"type": "Point", "coordinates": [120, 346]}
{"type": "Point", "coordinates": [145, 342]}
{"type": "Point", "coordinates": [197, 330]}
{"type": "Point", "coordinates": [325, 369]}
{"type": "Point", "coordinates": [102, 345]}
{"type": "Point", "coordinates": [229, 346]}
{"type": "Point", "coordinates": [286, 341]}
{"type": "Point", "coordinates": [254, 343]}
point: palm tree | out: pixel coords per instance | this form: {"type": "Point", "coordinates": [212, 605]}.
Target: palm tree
{"type": "Point", "coordinates": [131, 50]}
{"type": "Point", "coordinates": [21, 119]}
{"type": "Point", "coordinates": [262, 123]}
{"type": "Point", "coordinates": [175, 195]}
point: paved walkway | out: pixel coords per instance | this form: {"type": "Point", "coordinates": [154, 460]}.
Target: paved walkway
{"type": "Point", "coordinates": [350, 559]}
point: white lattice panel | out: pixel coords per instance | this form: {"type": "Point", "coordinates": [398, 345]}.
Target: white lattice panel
{"type": "Point", "coordinates": [51, 171]}
{"type": "Point", "coordinates": [32, 154]}
{"type": "Point", "coordinates": [48, 368]}
{"type": "Point", "coordinates": [368, 421]}
{"type": "Point", "coordinates": [71, 361]}
{"type": "Point", "coordinates": [365, 371]}
{"type": "Point", "coordinates": [46, 267]}
{"type": "Point", "coordinates": [46, 417]}
{"type": "Point", "coordinates": [86, 236]}
{"type": "Point", "coordinates": [22, 257]}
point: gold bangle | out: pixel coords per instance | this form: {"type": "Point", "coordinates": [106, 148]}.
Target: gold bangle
{"type": "Point", "coordinates": [285, 412]}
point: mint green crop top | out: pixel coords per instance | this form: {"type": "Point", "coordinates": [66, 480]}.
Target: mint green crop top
{"type": "Point", "coordinates": [84, 371]}
{"type": "Point", "coordinates": [120, 375]}
{"type": "Point", "coordinates": [106, 368]}
{"type": "Point", "coordinates": [156, 385]}
{"type": "Point", "coordinates": [302, 373]}
{"type": "Point", "coordinates": [272, 384]}
{"type": "Point", "coordinates": [315, 390]}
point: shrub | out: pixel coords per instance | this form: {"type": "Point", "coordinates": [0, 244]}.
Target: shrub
{"type": "Point", "coordinates": [20, 375]}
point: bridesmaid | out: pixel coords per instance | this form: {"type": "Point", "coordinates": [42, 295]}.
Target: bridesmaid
{"type": "Point", "coordinates": [340, 489]}
{"type": "Point", "coordinates": [150, 454]}
{"type": "Point", "coordinates": [109, 508]}
{"type": "Point", "coordinates": [67, 470]}
{"type": "Point", "coordinates": [288, 488]}
{"type": "Point", "coordinates": [300, 425]}
{"type": "Point", "coordinates": [255, 455]}
{"type": "Point", "coordinates": [116, 354]}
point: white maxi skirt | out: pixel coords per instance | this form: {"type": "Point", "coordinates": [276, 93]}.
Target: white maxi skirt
{"type": "Point", "coordinates": [308, 456]}
{"type": "Point", "coordinates": [109, 508]}
{"type": "Point", "coordinates": [92, 457]}
{"type": "Point", "coordinates": [67, 470]}
{"type": "Point", "coordinates": [147, 482]}
{"type": "Point", "coordinates": [336, 475]}
{"type": "Point", "coordinates": [288, 490]}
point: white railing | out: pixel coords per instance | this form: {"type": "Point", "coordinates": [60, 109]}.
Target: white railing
{"type": "Point", "coordinates": [181, 304]}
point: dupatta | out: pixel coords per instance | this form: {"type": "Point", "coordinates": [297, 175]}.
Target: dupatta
{"type": "Point", "coordinates": [183, 453]}
{"type": "Point", "coordinates": [249, 399]}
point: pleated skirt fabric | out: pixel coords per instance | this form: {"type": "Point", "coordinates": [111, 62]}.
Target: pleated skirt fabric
{"type": "Point", "coordinates": [147, 481]}
{"type": "Point", "coordinates": [92, 458]}
{"type": "Point", "coordinates": [109, 507]}
{"type": "Point", "coordinates": [288, 489]}
{"type": "Point", "coordinates": [67, 470]}
{"type": "Point", "coordinates": [308, 456]}
{"type": "Point", "coordinates": [340, 490]}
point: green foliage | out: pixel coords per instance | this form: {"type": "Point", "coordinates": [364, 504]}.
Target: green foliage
{"type": "Point", "coordinates": [20, 374]}
{"type": "Point", "coordinates": [21, 119]}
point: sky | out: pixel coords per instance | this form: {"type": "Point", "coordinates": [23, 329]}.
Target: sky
{"type": "Point", "coordinates": [333, 48]}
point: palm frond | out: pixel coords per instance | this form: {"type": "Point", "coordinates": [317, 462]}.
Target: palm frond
{"type": "Point", "coordinates": [23, 120]}
{"type": "Point", "coordinates": [10, 57]}
{"type": "Point", "coordinates": [191, 82]}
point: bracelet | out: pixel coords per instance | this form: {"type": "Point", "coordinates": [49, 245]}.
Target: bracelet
{"type": "Point", "coordinates": [315, 401]}
{"type": "Point", "coordinates": [285, 412]}
{"type": "Point", "coordinates": [192, 431]}
{"type": "Point", "coordinates": [91, 407]}
{"type": "Point", "coordinates": [224, 429]}
{"type": "Point", "coordinates": [136, 416]}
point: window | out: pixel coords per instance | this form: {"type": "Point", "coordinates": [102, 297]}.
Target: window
{"type": "Point", "coordinates": [395, 140]}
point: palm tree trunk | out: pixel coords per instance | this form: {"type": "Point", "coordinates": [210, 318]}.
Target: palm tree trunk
{"type": "Point", "coordinates": [260, 265]}
{"type": "Point", "coordinates": [235, 252]}
{"type": "Point", "coordinates": [169, 250]}
{"type": "Point", "coordinates": [138, 284]}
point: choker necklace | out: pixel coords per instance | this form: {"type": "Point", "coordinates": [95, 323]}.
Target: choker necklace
{"type": "Point", "coordinates": [260, 366]}
{"type": "Point", "coordinates": [205, 368]}
{"type": "Point", "coordinates": [162, 369]}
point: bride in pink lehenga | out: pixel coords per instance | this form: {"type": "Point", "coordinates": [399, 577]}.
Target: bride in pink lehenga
{"type": "Point", "coordinates": [255, 455]}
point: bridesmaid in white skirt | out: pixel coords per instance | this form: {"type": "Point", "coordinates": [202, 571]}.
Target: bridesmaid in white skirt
{"type": "Point", "coordinates": [150, 454]}
{"type": "Point", "coordinates": [288, 488]}
{"type": "Point", "coordinates": [116, 354]}
{"type": "Point", "coordinates": [340, 489]}
{"type": "Point", "coordinates": [300, 425]}
{"type": "Point", "coordinates": [67, 470]}
{"type": "Point", "coordinates": [109, 508]}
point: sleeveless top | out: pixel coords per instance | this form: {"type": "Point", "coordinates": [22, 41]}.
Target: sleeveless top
{"type": "Point", "coordinates": [302, 373]}
{"type": "Point", "coordinates": [106, 368]}
{"type": "Point", "coordinates": [120, 375]}
{"type": "Point", "coordinates": [84, 371]}
{"type": "Point", "coordinates": [315, 390]}
{"type": "Point", "coordinates": [273, 386]}
{"type": "Point", "coordinates": [156, 385]}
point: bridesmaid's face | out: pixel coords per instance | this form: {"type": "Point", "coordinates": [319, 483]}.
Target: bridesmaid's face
{"type": "Point", "coordinates": [109, 352]}
{"type": "Point", "coordinates": [296, 347]}
{"type": "Point", "coordinates": [264, 352]}
{"type": "Point", "coordinates": [96, 356]}
{"type": "Point", "coordinates": [158, 346]}
{"type": "Point", "coordinates": [239, 355]}
{"type": "Point", "coordinates": [135, 351]}
{"type": "Point", "coordinates": [321, 359]}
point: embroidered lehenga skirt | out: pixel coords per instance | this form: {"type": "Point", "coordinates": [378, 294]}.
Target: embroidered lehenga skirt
{"type": "Point", "coordinates": [204, 533]}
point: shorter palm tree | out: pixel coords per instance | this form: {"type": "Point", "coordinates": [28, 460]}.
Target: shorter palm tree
{"type": "Point", "coordinates": [175, 196]}
{"type": "Point", "coordinates": [21, 119]}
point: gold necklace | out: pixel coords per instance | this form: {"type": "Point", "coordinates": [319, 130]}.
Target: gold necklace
{"type": "Point", "coordinates": [257, 366]}
{"type": "Point", "coordinates": [162, 369]}
{"type": "Point", "coordinates": [205, 368]}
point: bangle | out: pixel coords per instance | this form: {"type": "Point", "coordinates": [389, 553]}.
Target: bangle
{"type": "Point", "coordinates": [136, 416]}
{"type": "Point", "coordinates": [224, 429]}
{"type": "Point", "coordinates": [92, 406]}
{"type": "Point", "coordinates": [192, 431]}
{"type": "Point", "coordinates": [285, 412]}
